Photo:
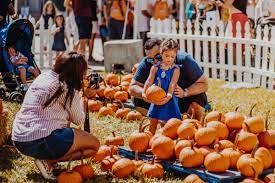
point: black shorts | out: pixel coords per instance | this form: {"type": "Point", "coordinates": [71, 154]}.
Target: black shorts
{"type": "Point", "coordinates": [84, 25]}
{"type": "Point", "coordinates": [184, 103]}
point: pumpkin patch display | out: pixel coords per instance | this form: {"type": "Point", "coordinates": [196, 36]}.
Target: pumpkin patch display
{"type": "Point", "coordinates": [152, 169]}
{"type": "Point", "coordinates": [170, 128]}
{"type": "Point", "coordinates": [155, 93]}
{"type": "Point", "coordinates": [163, 147]}
{"type": "Point", "coordinates": [123, 168]}
{"type": "Point", "coordinates": [114, 140]}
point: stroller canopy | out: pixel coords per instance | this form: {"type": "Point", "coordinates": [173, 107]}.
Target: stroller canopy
{"type": "Point", "coordinates": [19, 33]}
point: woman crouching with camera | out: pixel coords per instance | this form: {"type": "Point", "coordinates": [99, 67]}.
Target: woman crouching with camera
{"type": "Point", "coordinates": [41, 128]}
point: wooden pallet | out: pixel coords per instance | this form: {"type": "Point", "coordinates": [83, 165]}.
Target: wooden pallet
{"type": "Point", "coordinates": [230, 176]}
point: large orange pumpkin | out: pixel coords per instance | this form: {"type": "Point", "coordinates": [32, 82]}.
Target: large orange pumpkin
{"type": "Point", "coordinates": [112, 79]}
{"type": "Point", "coordinates": [221, 129]}
{"type": "Point", "coordinates": [107, 162]}
{"type": "Point", "coordinates": [139, 141]}
{"type": "Point", "coordinates": [191, 157]}
{"type": "Point", "coordinates": [180, 145]}
{"type": "Point", "coordinates": [152, 170]}
{"type": "Point", "coordinates": [155, 93]}
{"type": "Point", "coordinates": [171, 127]}
{"type": "Point", "coordinates": [205, 136]}
{"type": "Point", "coordinates": [234, 120]}
{"type": "Point", "coordinates": [187, 130]}
{"type": "Point", "coordinates": [245, 140]}
{"type": "Point", "coordinates": [114, 140]}
{"type": "Point", "coordinates": [85, 170]}
{"type": "Point", "coordinates": [163, 147]}
{"type": "Point", "coordinates": [123, 168]}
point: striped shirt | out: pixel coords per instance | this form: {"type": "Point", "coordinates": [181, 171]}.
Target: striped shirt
{"type": "Point", "coordinates": [33, 122]}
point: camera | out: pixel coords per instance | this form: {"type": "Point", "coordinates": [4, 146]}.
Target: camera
{"type": "Point", "coordinates": [94, 80]}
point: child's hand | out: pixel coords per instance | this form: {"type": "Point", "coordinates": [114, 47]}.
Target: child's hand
{"type": "Point", "coordinates": [164, 101]}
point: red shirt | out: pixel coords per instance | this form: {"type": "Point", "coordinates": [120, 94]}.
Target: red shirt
{"type": "Point", "coordinates": [238, 17]}
{"type": "Point", "coordinates": [81, 8]}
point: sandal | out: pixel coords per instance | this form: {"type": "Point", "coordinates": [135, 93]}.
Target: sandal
{"type": "Point", "coordinates": [45, 170]}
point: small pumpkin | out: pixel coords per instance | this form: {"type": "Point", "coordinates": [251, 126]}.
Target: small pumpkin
{"type": "Point", "coordinates": [112, 79]}
{"type": "Point", "coordinates": [233, 154]}
{"type": "Point", "coordinates": [205, 136]}
{"type": "Point", "coordinates": [216, 162]}
{"type": "Point", "coordinates": [220, 128]}
{"type": "Point", "coordinates": [226, 144]}
{"type": "Point", "coordinates": [187, 130]}
{"type": "Point", "coordinates": [121, 96]}
{"type": "Point", "coordinates": [214, 116]}
{"type": "Point", "coordinates": [263, 154]}
{"type": "Point", "coordinates": [155, 93]}
{"type": "Point", "coordinates": [127, 78]}
{"type": "Point", "coordinates": [94, 105]}
{"type": "Point", "coordinates": [125, 86]}
{"type": "Point", "coordinates": [267, 137]}
{"type": "Point", "coordinates": [255, 124]}
{"type": "Point", "coordinates": [109, 92]}
{"type": "Point", "coordinates": [134, 116]}
{"type": "Point", "coordinates": [234, 120]}
{"type": "Point", "coordinates": [114, 106]}
{"type": "Point", "coordinates": [171, 127]}
{"type": "Point", "coordinates": [152, 170]}
{"type": "Point", "coordinates": [123, 168]}
{"type": "Point", "coordinates": [139, 141]}
{"type": "Point", "coordinates": [103, 152]}
{"type": "Point", "coordinates": [114, 140]}
{"type": "Point", "coordinates": [163, 147]}
{"type": "Point", "coordinates": [252, 179]}
{"type": "Point", "coordinates": [193, 178]}
{"type": "Point", "coordinates": [249, 165]}
{"type": "Point", "coordinates": [245, 140]}
{"type": "Point", "coordinates": [105, 111]}
{"type": "Point", "coordinates": [180, 145]}
{"type": "Point", "coordinates": [107, 162]}
{"type": "Point", "coordinates": [191, 157]}
{"type": "Point", "coordinates": [85, 170]}
{"type": "Point", "coordinates": [69, 176]}
{"type": "Point", "coordinates": [122, 113]}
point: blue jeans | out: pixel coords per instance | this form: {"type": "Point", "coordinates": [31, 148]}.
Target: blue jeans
{"type": "Point", "coordinates": [52, 147]}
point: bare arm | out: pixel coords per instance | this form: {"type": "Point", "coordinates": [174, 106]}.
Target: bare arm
{"type": "Point", "coordinates": [174, 81]}
{"type": "Point", "coordinates": [151, 78]}
{"type": "Point", "coordinates": [66, 37]}
{"type": "Point", "coordinates": [136, 89]}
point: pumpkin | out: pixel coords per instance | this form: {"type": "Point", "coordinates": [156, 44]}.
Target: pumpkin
{"type": "Point", "coordinates": [216, 162]}
{"type": "Point", "coordinates": [234, 120]}
{"type": "Point", "coordinates": [245, 140]}
{"type": "Point", "coordinates": [152, 170]}
{"type": "Point", "coordinates": [214, 116]}
{"type": "Point", "coordinates": [114, 106]}
{"type": "Point", "coordinates": [205, 150]}
{"type": "Point", "coordinates": [121, 96]}
{"type": "Point", "coordinates": [154, 138]}
{"type": "Point", "coordinates": [109, 93]}
{"type": "Point", "coordinates": [105, 111]}
{"type": "Point", "coordinates": [103, 152]}
{"type": "Point", "coordinates": [225, 144]}
{"type": "Point", "coordinates": [127, 78]}
{"type": "Point", "coordinates": [122, 113]}
{"type": "Point", "coordinates": [193, 178]}
{"type": "Point", "coordinates": [220, 128]}
{"type": "Point", "coordinates": [94, 105]}
{"type": "Point", "coordinates": [187, 130]}
{"type": "Point", "coordinates": [270, 178]}
{"type": "Point", "coordinates": [112, 79]}
{"type": "Point", "coordinates": [255, 124]}
{"type": "Point", "coordinates": [123, 168]}
{"type": "Point", "coordinates": [233, 154]}
{"type": "Point", "coordinates": [155, 93]}
{"type": "Point", "coordinates": [85, 170]}
{"type": "Point", "coordinates": [69, 176]}
{"type": "Point", "coordinates": [134, 69]}
{"type": "Point", "coordinates": [139, 141]}
{"type": "Point", "coordinates": [180, 145]}
{"type": "Point", "coordinates": [263, 154]}
{"type": "Point", "coordinates": [171, 127]}
{"type": "Point", "coordinates": [163, 147]}
{"type": "Point", "coordinates": [114, 140]}
{"type": "Point", "coordinates": [267, 138]}
{"type": "Point", "coordinates": [272, 152]}
{"type": "Point", "coordinates": [134, 116]}
{"type": "Point", "coordinates": [205, 136]}
{"type": "Point", "coordinates": [107, 162]}
{"type": "Point", "coordinates": [249, 165]}
{"type": "Point", "coordinates": [100, 91]}
{"type": "Point", "coordinates": [252, 179]}
{"type": "Point", "coordinates": [191, 157]}
{"type": "Point", "coordinates": [136, 161]}
{"type": "Point", "coordinates": [125, 86]}
{"type": "Point", "coordinates": [90, 93]}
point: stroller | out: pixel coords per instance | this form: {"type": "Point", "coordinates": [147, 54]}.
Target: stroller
{"type": "Point", "coordinates": [18, 34]}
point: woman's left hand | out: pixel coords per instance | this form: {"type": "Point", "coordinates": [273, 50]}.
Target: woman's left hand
{"type": "Point", "coordinates": [179, 92]}
{"type": "Point", "coordinates": [163, 102]}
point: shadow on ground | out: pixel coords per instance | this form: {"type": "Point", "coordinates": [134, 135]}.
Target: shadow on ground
{"type": "Point", "coordinates": [7, 156]}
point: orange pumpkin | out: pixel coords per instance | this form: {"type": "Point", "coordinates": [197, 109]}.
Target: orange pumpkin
{"type": "Point", "coordinates": [90, 93]}
{"type": "Point", "coordinates": [85, 170]}
{"type": "Point", "coordinates": [191, 157]}
{"type": "Point", "coordinates": [112, 79]}
{"type": "Point", "coordinates": [107, 162]}
{"type": "Point", "coordinates": [109, 93]}
{"type": "Point", "coordinates": [193, 178]}
{"type": "Point", "coordinates": [121, 96]}
{"type": "Point", "coordinates": [125, 86]}
{"type": "Point", "coordinates": [205, 136]}
{"type": "Point", "coordinates": [180, 145]}
{"type": "Point", "coordinates": [152, 170]}
{"type": "Point", "coordinates": [263, 154]}
{"type": "Point", "coordinates": [245, 140]}
{"type": "Point", "coordinates": [205, 150]}
{"type": "Point", "coordinates": [100, 91]}
{"type": "Point", "coordinates": [103, 152]}
{"type": "Point", "coordinates": [255, 124]}
{"type": "Point", "coordinates": [127, 78]}
{"type": "Point", "coordinates": [94, 105]}
{"type": "Point", "coordinates": [123, 168]}
{"type": "Point", "coordinates": [221, 129]}
{"type": "Point", "coordinates": [171, 127]}
{"type": "Point", "coordinates": [114, 106]}
{"type": "Point", "coordinates": [105, 111]}
{"type": "Point", "coordinates": [134, 116]}
{"type": "Point", "coordinates": [187, 130]}
{"type": "Point", "coordinates": [155, 93]}
{"type": "Point", "coordinates": [214, 116]}
{"type": "Point", "coordinates": [69, 176]}
{"type": "Point", "coordinates": [225, 144]}
{"type": "Point", "coordinates": [234, 120]}
{"type": "Point", "coordinates": [249, 165]}
{"type": "Point", "coordinates": [122, 113]}
{"type": "Point", "coordinates": [139, 141]}
{"type": "Point", "coordinates": [272, 152]}
{"type": "Point", "coordinates": [163, 147]}
{"type": "Point", "coordinates": [233, 154]}
{"type": "Point", "coordinates": [114, 140]}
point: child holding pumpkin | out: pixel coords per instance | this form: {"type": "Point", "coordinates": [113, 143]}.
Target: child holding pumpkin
{"type": "Point", "coordinates": [167, 74]}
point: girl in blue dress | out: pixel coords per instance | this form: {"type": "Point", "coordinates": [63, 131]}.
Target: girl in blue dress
{"type": "Point", "coordinates": [168, 74]}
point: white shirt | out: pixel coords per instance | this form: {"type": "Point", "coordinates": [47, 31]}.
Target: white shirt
{"type": "Point", "coordinates": [143, 21]}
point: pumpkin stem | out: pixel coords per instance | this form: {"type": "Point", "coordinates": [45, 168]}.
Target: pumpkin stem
{"type": "Point", "coordinates": [112, 150]}
{"type": "Point", "coordinates": [141, 124]}
{"type": "Point", "coordinates": [266, 120]}
{"type": "Point", "coordinates": [251, 110]}
{"type": "Point", "coordinates": [153, 160]}
{"type": "Point", "coordinates": [136, 155]}
{"type": "Point", "coordinates": [113, 133]}
{"type": "Point", "coordinates": [237, 108]}
{"type": "Point", "coordinates": [159, 82]}
{"type": "Point", "coordinates": [255, 149]}
{"type": "Point", "coordinates": [217, 145]}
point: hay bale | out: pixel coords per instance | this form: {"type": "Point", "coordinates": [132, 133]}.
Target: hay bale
{"type": "Point", "coordinates": [4, 132]}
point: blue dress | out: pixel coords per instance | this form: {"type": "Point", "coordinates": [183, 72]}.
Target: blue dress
{"type": "Point", "coordinates": [171, 108]}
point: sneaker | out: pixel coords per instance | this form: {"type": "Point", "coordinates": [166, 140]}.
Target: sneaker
{"type": "Point", "coordinates": [45, 170]}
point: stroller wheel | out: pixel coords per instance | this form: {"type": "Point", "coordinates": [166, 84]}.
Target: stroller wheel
{"type": "Point", "coordinates": [16, 97]}
{"type": "Point", "coordinates": [2, 93]}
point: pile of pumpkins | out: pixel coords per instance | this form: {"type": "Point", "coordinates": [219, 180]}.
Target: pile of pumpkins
{"type": "Point", "coordinates": [218, 142]}
{"type": "Point", "coordinates": [114, 92]}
